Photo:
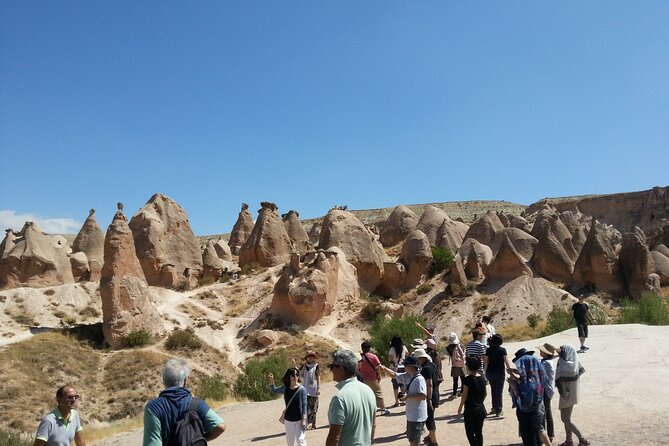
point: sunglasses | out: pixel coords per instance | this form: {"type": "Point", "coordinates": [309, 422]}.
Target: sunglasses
{"type": "Point", "coordinates": [332, 366]}
{"type": "Point", "coordinates": [71, 397]}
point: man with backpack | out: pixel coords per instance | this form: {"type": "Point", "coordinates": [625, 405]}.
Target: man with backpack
{"type": "Point", "coordinates": [176, 418]}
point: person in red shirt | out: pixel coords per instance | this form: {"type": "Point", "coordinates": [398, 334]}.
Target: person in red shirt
{"type": "Point", "coordinates": [370, 369]}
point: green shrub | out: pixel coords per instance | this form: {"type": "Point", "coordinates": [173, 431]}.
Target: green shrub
{"type": "Point", "coordinates": [599, 316]}
{"type": "Point", "coordinates": [183, 340]}
{"type": "Point", "coordinates": [424, 288]}
{"type": "Point", "coordinates": [443, 257]}
{"type": "Point", "coordinates": [8, 438]}
{"type": "Point", "coordinates": [533, 320]}
{"type": "Point", "coordinates": [212, 388]}
{"type": "Point", "coordinates": [252, 383]}
{"type": "Point", "coordinates": [651, 309]}
{"type": "Point", "coordinates": [138, 338]}
{"type": "Point", "coordinates": [383, 330]}
{"type": "Point", "coordinates": [558, 320]}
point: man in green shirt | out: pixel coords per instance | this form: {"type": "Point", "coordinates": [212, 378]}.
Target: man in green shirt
{"type": "Point", "coordinates": [352, 408]}
{"type": "Point", "coordinates": [62, 425]}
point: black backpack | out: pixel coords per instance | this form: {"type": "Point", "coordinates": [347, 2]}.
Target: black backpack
{"type": "Point", "coordinates": [189, 430]}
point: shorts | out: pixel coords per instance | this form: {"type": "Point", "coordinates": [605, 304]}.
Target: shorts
{"type": "Point", "coordinates": [582, 328]}
{"type": "Point", "coordinates": [396, 385]}
{"type": "Point", "coordinates": [414, 431]}
{"type": "Point", "coordinates": [429, 423]}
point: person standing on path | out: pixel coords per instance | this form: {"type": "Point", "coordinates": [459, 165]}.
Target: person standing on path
{"type": "Point", "coordinates": [295, 414]}
{"type": "Point", "coordinates": [396, 355]}
{"type": "Point", "coordinates": [567, 377]}
{"type": "Point", "coordinates": [527, 393]}
{"type": "Point", "coordinates": [370, 369]}
{"type": "Point", "coordinates": [456, 354]}
{"type": "Point", "coordinates": [62, 425]}
{"type": "Point", "coordinates": [352, 408]}
{"type": "Point", "coordinates": [582, 315]}
{"type": "Point", "coordinates": [473, 395]}
{"type": "Point", "coordinates": [310, 377]}
{"type": "Point", "coordinates": [495, 363]}
{"type": "Point", "coordinates": [429, 371]}
{"type": "Point", "coordinates": [547, 353]}
{"type": "Point", "coordinates": [476, 348]}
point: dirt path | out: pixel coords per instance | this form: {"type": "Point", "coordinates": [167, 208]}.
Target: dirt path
{"type": "Point", "coordinates": [622, 402]}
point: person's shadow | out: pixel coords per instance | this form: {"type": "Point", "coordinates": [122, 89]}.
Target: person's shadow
{"type": "Point", "coordinates": [267, 437]}
{"type": "Point", "coordinates": [388, 439]}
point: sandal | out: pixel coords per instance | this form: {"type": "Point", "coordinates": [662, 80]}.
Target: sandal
{"type": "Point", "coordinates": [583, 442]}
{"type": "Point", "coordinates": [567, 443]}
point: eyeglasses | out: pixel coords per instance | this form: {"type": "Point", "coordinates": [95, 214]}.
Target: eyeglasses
{"type": "Point", "coordinates": [71, 397]}
{"type": "Point", "coordinates": [294, 376]}
{"type": "Point", "coordinates": [332, 366]}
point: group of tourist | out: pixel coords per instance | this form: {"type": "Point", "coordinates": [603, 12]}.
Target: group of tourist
{"type": "Point", "coordinates": [415, 379]}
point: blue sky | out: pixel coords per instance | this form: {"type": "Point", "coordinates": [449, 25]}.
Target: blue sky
{"type": "Point", "coordinates": [313, 104]}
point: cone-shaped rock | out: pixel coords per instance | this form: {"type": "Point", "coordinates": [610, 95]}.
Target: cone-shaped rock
{"type": "Point", "coordinates": [597, 265]}
{"type": "Point", "coordinates": [451, 234]}
{"type": "Point", "coordinates": [477, 258]}
{"type": "Point", "coordinates": [400, 223]}
{"type": "Point", "coordinates": [417, 257]}
{"type": "Point", "coordinates": [661, 262]}
{"type": "Point", "coordinates": [7, 243]}
{"type": "Point", "coordinates": [296, 232]}
{"type": "Point", "coordinates": [32, 258]}
{"type": "Point", "coordinates": [578, 240]}
{"type": "Point", "coordinates": [164, 240]}
{"type": "Point", "coordinates": [223, 250]}
{"type": "Point", "coordinates": [241, 230]}
{"type": "Point", "coordinates": [636, 263]}
{"type": "Point", "coordinates": [458, 278]}
{"type": "Point", "coordinates": [315, 232]}
{"type": "Point", "coordinates": [550, 260]}
{"type": "Point", "coordinates": [507, 264]}
{"type": "Point", "coordinates": [343, 229]}
{"type": "Point", "coordinates": [552, 220]}
{"type": "Point", "coordinates": [211, 263]}
{"type": "Point", "coordinates": [127, 305]}
{"type": "Point", "coordinates": [308, 291]}
{"type": "Point", "coordinates": [522, 242]}
{"type": "Point", "coordinates": [484, 229]}
{"type": "Point", "coordinates": [430, 222]}
{"type": "Point", "coordinates": [80, 268]}
{"type": "Point", "coordinates": [90, 240]}
{"type": "Point", "coordinates": [268, 244]}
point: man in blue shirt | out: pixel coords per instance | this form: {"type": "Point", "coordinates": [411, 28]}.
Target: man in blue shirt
{"type": "Point", "coordinates": [162, 413]}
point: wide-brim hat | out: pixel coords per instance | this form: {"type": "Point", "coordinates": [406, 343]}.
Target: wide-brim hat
{"type": "Point", "coordinates": [522, 352]}
{"type": "Point", "coordinates": [410, 361]}
{"type": "Point", "coordinates": [547, 349]}
{"type": "Point", "coordinates": [311, 353]}
{"type": "Point", "coordinates": [430, 343]}
{"type": "Point", "coordinates": [419, 353]}
{"type": "Point", "coordinates": [418, 343]}
{"type": "Point", "coordinates": [453, 338]}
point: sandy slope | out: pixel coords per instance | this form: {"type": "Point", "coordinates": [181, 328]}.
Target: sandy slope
{"type": "Point", "coordinates": [624, 400]}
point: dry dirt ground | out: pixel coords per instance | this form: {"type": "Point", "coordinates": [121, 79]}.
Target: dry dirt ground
{"type": "Point", "coordinates": [624, 400]}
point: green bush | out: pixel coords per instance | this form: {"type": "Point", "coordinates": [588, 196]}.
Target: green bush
{"type": "Point", "coordinates": [212, 388]}
{"type": "Point", "coordinates": [651, 309]}
{"type": "Point", "coordinates": [533, 320]}
{"type": "Point", "coordinates": [183, 340]}
{"type": "Point", "coordinates": [137, 338]}
{"type": "Point", "coordinates": [599, 316]}
{"type": "Point", "coordinates": [252, 383]}
{"type": "Point", "coordinates": [443, 257]}
{"type": "Point", "coordinates": [424, 288]}
{"type": "Point", "coordinates": [383, 330]}
{"type": "Point", "coordinates": [558, 320]}
{"type": "Point", "coordinates": [13, 439]}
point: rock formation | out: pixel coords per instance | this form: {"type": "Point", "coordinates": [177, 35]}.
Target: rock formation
{"type": "Point", "coordinates": [344, 230]}
{"type": "Point", "coordinates": [457, 278]}
{"type": "Point", "coordinates": [508, 263]}
{"type": "Point", "coordinates": [661, 262]}
{"type": "Point", "coordinates": [241, 230]}
{"type": "Point", "coordinates": [90, 240]}
{"type": "Point", "coordinates": [399, 224]}
{"type": "Point", "coordinates": [34, 259]}
{"type": "Point", "coordinates": [450, 234]}
{"type": "Point", "coordinates": [165, 244]}
{"type": "Point", "coordinates": [315, 232]}
{"type": "Point", "coordinates": [308, 291]}
{"type": "Point", "coordinates": [597, 265]}
{"type": "Point", "coordinates": [223, 251]}
{"type": "Point", "coordinates": [636, 263]}
{"type": "Point", "coordinates": [522, 242]}
{"type": "Point", "coordinates": [127, 305]}
{"type": "Point", "coordinates": [212, 265]}
{"type": "Point", "coordinates": [416, 256]}
{"type": "Point", "coordinates": [550, 259]}
{"type": "Point", "coordinates": [430, 222]}
{"type": "Point", "coordinates": [296, 232]}
{"type": "Point", "coordinates": [7, 243]}
{"type": "Point", "coordinates": [268, 244]}
{"type": "Point", "coordinates": [484, 229]}
{"type": "Point", "coordinates": [79, 263]}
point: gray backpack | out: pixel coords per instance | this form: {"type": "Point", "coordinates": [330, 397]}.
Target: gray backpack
{"type": "Point", "coordinates": [189, 430]}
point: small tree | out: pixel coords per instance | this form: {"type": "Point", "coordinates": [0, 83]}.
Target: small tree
{"type": "Point", "coordinates": [383, 330]}
{"type": "Point", "coordinates": [443, 258]}
{"type": "Point", "coordinates": [533, 320]}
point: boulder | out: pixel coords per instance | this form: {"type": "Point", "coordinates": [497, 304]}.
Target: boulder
{"type": "Point", "coordinates": [308, 291]}
{"type": "Point", "coordinates": [395, 310]}
{"type": "Point", "coordinates": [80, 269]}
{"type": "Point", "coordinates": [416, 256]}
{"type": "Point", "coordinates": [223, 250]}
{"type": "Point", "coordinates": [269, 243]}
{"type": "Point", "coordinates": [597, 266]}
{"type": "Point", "coordinates": [90, 240]}
{"type": "Point", "coordinates": [508, 263]}
{"type": "Point", "coordinates": [343, 229]}
{"type": "Point", "coordinates": [662, 249]}
{"type": "Point", "coordinates": [522, 242]}
{"type": "Point", "coordinates": [457, 278]}
{"type": "Point", "coordinates": [484, 229]}
{"type": "Point", "coordinates": [163, 236]}
{"type": "Point", "coordinates": [400, 223]}
{"type": "Point", "coordinates": [241, 230]}
{"type": "Point", "coordinates": [636, 263]}
{"type": "Point", "coordinates": [32, 258]}
{"type": "Point", "coordinates": [653, 284]}
{"type": "Point", "coordinates": [296, 232]}
{"type": "Point", "coordinates": [267, 337]}
{"type": "Point", "coordinates": [661, 266]}
{"type": "Point", "coordinates": [127, 301]}
{"type": "Point", "coordinates": [550, 259]}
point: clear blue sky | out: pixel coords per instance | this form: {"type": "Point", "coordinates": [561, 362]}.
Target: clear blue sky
{"type": "Point", "coordinates": [311, 104]}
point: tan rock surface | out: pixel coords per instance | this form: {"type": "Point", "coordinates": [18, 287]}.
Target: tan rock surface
{"type": "Point", "coordinates": [296, 232]}
{"type": "Point", "coordinates": [400, 223]}
{"type": "Point", "coordinates": [550, 259]}
{"type": "Point", "coordinates": [430, 222]}
{"type": "Point", "coordinates": [484, 229]}
{"type": "Point", "coordinates": [636, 263]}
{"type": "Point", "coordinates": [597, 265]}
{"type": "Point", "coordinates": [507, 264]}
{"type": "Point", "coordinates": [268, 244]}
{"type": "Point", "coordinates": [163, 236]}
{"type": "Point", "coordinates": [223, 250]}
{"type": "Point", "coordinates": [417, 257]}
{"type": "Point", "coordinates": [90, 240]}
{"type": "Point", "coordinates": [661, 266]}
{"type": "Point", "coordinates": [127, 305]}
{"type": "Point", "coordinates": [522, 242]}
{"type": "Point", "coordinates": [241, 230]}
{"type": "Point", "coordinates": [80, 268]}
